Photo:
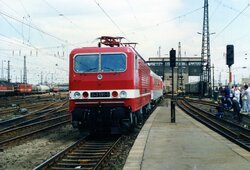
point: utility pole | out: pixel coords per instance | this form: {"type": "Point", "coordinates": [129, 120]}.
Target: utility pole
{"type": "Point", "coordinates": [52, 77]}
{"type": "Point", "coordinates": [159, 52]}
{"type": "Point", "coordinates": [21, 75]}
{"type": "Point", "coordinates": [205, 54]}
{"type": "Point", "coordinates": [2, 73]}
{"type": "Point", "coordinates": [220, 78]}
{"type": "Point", "coordinates": [41, 77]}
{"type": "Point", "coordinates": [8, 71]}
{"type": "Point", "coordinates": [24, 71]}
{"type": "Point", "coordinates": [179, 70]}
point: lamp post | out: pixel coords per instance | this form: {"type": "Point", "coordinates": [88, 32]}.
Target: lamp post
{"type": "Point", "coordinates": [213, 78]}
{"type": "Point", "coordinates": [172, 65]}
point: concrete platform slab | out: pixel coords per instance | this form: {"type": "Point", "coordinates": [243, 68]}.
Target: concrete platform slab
{"type": "Point", "coordinates": [186, 144]}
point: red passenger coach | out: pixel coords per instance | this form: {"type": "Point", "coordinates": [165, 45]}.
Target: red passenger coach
{"type": "Point", "coordinates": [156, 86]}
{"type": "Point", "coordinates": [110, 87]}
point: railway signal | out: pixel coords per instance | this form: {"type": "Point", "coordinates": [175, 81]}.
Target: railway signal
{"type": "Point", "coordinates": [230, 61]}
{"type": "Point", "coordinates": [230, 55]}
{"type": "Point", "coordinates": [172, 58]}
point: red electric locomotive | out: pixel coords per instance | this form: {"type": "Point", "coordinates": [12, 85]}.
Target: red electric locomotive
{"type": "Point", "coordinates": [6, 88]}
{"type": "Point", "coordinates": [110, 88]}
{"type": "Point", "coordinates": [22, 89]}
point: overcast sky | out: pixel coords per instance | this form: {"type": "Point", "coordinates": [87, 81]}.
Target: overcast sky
{"type": "Point", "coordinates": [47, 30]}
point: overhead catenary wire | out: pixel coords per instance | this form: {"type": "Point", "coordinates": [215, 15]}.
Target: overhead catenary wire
{"type": "Point", "coordinates": [14, 11]}
{"type": "Point", "coordinates": [214, 11]}
{"type": "Point", "coordinates": [220, 32]}
{"type": "Point", "coordinates": [33, 27]}
{"type": "Point", "coordinates": [231, 7]}
{"type": "Point", "coordinates": [12, 42]}
{"type": "Point", "coordinates": [135, 18]}
{"type": "Point", "coordinates": [15, 42]}
{"type": "Point", "coordinates": [25, 18]}
{"type": "Point", "coordinates": [25, 10]}
{"type": "Point", "coordinates": [12, 25]}
{"type": "Point", "coordinates": [18, 31]}
{"type": "Point", "coordinates": [24, 44]}
{"type": "Point", "coordinates": [109, 17]}
{"type": "Point", "coordinates": [171, 19]}
{"type": "Point", "coordinates": [63, 15]}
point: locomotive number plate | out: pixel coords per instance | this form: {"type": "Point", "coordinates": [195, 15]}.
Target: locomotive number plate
{"type": "Point", "coordinates": [99, 94]}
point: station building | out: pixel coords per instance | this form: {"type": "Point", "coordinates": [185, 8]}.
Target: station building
{"type": "Point", "coordinates": [187, 69]}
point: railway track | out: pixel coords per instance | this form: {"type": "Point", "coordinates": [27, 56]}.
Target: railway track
{"type": "Point", "coordinates": [228, 116]}
{"type": "Point", "coordinates": [209, 103]}
{"type": "Point", "coordinates": [14, 130]}
{"type": "Point", "coordinates": [23, 100]}
{"type": "Point", "coordinates": [230, 130]}
{"type": "Point", "coordinates": [30, 107]}
{"type": "Point", "coordinates": [21, 132]}
{"type": "Point", "coordinates": [41, 112]}
{"type": "Point", "coordinates": [84, 154]}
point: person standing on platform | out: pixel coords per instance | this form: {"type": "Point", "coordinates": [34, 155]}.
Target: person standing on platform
{"type": "Point", "coordinates": [244, 100]}
{"type": "Point", "coordinates": [227, 92]}
{"type": "Point", "coordinates": [236, 109]}
{"type": "Point", "coordinates": [227, 101]}
{"type": "Point", "coordinates": [220, 110]}
{"type": "Point", "coordinates": [237, 93]}
{"type": "Point", "coordinates": [247, 94]}
{"type": "Point", "coordinates": [232, 92]}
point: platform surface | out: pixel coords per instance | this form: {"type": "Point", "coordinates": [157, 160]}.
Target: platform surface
{"type": "Point", "coordinates": [184, 145]}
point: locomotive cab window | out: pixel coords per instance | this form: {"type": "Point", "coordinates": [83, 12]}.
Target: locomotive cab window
{"type": "Point", "coordinates": [113, 62]}
{"type": "Point", "coordinates": [91, 63]}
{"type": "Point", "coordinates": [86, 63]}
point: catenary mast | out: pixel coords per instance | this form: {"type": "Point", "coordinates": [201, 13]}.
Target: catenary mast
{"type": "Point", "coordinates": [205, 53]}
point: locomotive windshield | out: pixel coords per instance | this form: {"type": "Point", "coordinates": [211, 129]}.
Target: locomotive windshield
{"type": "Point", "coordinates": [86, 63]}
{"type": "Point", "coordinates": [100, 63]}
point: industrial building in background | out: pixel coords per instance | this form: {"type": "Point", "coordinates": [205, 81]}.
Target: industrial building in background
{"type": "Point", "coordinates": [190, 67]}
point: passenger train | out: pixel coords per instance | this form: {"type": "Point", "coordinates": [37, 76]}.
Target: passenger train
{"type": "Point", "coordinates": [110, 88]}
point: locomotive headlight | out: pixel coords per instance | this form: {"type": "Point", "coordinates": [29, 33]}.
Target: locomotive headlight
{"type": "Point", "coordinates": [123, 94]}
{"type": "Point", "coordinates": [77, 95]}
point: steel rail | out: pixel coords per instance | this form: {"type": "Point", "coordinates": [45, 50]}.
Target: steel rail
{"type": "Point", "coordinates": [50, 114]}
{"type": "Point", "coordinates": [31, 125]}
{"type": "Point", "coordinates": [245, 118]}
{"type": "Point", "coordinates": [30, 116]}
{"type": "Point", "coordinates": [210, 103]}
{"type": "Point", "coordinates": [7, 141]}
{"type": "Point", "coordinates": [83, 154]}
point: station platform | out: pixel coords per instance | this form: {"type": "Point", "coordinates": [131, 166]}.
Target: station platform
{"type": "Point", "coordinates": [184, 145]}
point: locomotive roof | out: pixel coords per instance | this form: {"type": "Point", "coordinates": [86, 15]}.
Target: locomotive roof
{"type": "Point", "coordinates": [102, 49]}
{"type": "Point", "coordinates": [106, 49]}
